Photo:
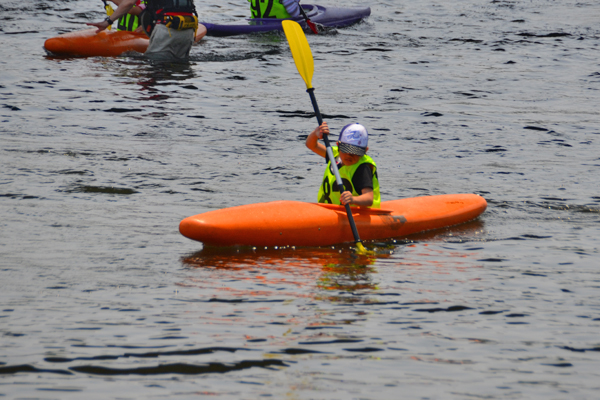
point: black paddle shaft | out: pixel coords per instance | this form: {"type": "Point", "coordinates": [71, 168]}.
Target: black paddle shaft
{"type": "Point", "coordinates": [313, 99]}
{"type": "Point", "coordinates": [310, 24]}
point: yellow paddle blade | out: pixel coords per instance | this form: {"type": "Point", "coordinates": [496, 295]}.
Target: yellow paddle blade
{"type": "Point", "coordinates": [360, 249]}
{"type": "Point", "coordinates": [300, 50]}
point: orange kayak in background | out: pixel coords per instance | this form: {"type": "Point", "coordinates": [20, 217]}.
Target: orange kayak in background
{"type": "Point", "coordinates": [107, 43]}
{"type": "Point", "coordinates": [295, 223]}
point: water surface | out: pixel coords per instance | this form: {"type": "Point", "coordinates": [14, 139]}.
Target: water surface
{"type": "Point", "coordinates": [102, 157]}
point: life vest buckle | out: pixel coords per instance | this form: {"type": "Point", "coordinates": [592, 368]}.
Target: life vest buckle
{"type": "Point", "coordinates": [181, 22]}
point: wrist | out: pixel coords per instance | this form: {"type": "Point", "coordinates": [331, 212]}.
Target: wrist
{"type": "Point", "coordinates": [109, 21]}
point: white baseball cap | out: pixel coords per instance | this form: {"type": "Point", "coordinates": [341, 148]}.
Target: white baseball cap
{"type": "Point", "coordinates": [354, 139]}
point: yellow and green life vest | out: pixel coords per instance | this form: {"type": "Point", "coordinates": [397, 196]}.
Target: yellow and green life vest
{"type": "Point", "coordinates": [329, 192]}
{"type": "Point", "coordinates": [268, 9]}
{"type": "Point", "coordinates": [129, 22]}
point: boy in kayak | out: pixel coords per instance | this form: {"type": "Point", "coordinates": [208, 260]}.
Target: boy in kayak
{"type": "Point", "coordinates": [357, 170]}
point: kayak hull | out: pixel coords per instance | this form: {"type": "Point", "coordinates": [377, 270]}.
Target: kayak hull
{"type": "Point", "coordinates": [108, 43]}
{"type": "Point", "coordinates": [294, 223]}
{"type": "Point", "coordinates": [331, 17]}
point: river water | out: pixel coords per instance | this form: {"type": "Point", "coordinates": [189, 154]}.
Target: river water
{"type": "Point", "coordinates": [102, 157]}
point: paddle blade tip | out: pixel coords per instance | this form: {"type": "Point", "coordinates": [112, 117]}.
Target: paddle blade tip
{"type": "Point", "coordinates": [361, 249]}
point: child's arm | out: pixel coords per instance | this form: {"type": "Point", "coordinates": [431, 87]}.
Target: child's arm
{"type": "Point", "coordinates": [364, 200]}
{"type": "Point", "coordinates": [292, 7]}
{"type": "Point", "coordinates": [136, 10]}
{"type": "Point", "coordinates": [312, 141]}
{"type": "Point", "coordinates": [121, 10]}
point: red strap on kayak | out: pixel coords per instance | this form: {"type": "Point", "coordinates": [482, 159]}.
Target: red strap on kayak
{"type": "Point", "coordinates": [310, 24]}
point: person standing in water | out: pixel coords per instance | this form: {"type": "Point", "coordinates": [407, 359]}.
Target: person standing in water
{"type": "Point", "coordinates": [171, 25]}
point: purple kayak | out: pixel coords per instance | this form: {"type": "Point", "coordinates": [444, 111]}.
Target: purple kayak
{"type": "Point", "coordinates": [331, 17]}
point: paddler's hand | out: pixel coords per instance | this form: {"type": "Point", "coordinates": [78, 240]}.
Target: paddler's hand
{"type": "Point", "coordinates": [312, 140]}
{"type": "Point", "coordinates": [363, 200]}
{"type": "Point", "coordinates": [347, 198]}
{"type": "Point", "coordinates": [323, 129]}
{"type": "Point", "coordinates": [100, 25]}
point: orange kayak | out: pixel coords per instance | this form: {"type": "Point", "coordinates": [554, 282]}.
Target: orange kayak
{"type": "Point", "coordinates": [108, 43]}
{"type": "Point", "coordinates": [295, 223]}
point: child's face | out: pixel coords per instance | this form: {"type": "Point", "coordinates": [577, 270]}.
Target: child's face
{"type": "Point", "coordinates": [349, 159]}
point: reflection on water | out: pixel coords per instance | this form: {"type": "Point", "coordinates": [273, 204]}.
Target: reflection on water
{"type": "Point", "coordinates": [337, 273]}
{"type": "Point", "coordinates": [154, 74]}
{"type": "Point", "coordinates": [156, 80]}
{"type": "Point", "coordinates": [348, 278]}
{"type": "Point", "coordinates": [328, 269]}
